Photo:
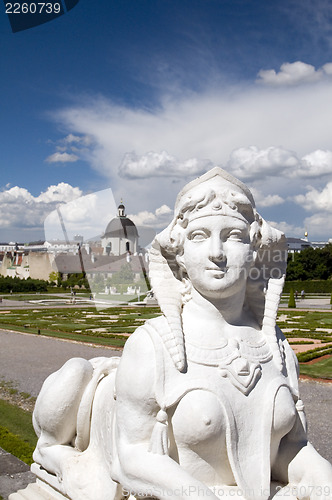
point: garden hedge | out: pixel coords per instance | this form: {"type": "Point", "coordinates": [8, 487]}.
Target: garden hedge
{"type": "Point", "coordinates": [309, 286]}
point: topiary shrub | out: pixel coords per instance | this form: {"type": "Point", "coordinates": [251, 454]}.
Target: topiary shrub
{"type": "Point", "coordinates": [291, 301]}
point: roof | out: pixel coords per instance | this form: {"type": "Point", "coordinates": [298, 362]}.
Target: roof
{"type": "Point", "coordinates": [297, 240]}
{"type": "Point", "coordinates": [121, 227]}
{"type": "Point", "coordinates": [69, 263]}
{"type": "Point", "coordinates": [297, 244]}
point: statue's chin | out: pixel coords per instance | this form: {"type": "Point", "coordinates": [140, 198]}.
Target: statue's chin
{"type": "Point", "coordinates": [220, 284]}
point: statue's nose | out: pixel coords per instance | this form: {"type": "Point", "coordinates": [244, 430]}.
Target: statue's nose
{"type": "Point", "coordinates": [217, 250]}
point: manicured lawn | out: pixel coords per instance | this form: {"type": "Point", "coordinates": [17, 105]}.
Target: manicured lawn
{"type": "Point", "coordinates": [304, 324]}
{"type": "Point", "coordinates": [112, 326]}
{"type": "Point", "coordinates": [308, 325]}
{"type": "Point", "coordinates": [320, 369]}
{"type": "Point", "coordinates": [109, 327]}
{"type": "Point", "coordinates": [17, 435]}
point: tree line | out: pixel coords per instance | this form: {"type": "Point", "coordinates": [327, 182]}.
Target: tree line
{"type": "Point", "coordinates": [310, 264]}
{"type": "Point", "coordinates": [9, 285]}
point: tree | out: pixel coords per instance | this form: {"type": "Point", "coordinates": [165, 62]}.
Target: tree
{"type": "Point", "coordinates": [310, 264]}
{"type": "Point", "coordinates": [291, 301]}
{"type": "Point", "coordinates": [97, 283]}
{"type": "Point", "coordinates": [55, 277]}
{"type": "Point", "coordinates": [124, 276]}
{"type": "Point", "coordinates": [295, 270]}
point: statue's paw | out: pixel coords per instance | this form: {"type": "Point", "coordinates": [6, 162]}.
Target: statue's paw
{"type": "Point", "coordinates": [59, 476]}
{"type": "Point", "coordinates": [36, 456]}
{"type": "Point", "coordinates": [104, 366]}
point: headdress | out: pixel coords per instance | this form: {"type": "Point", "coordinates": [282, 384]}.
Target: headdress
{"type": "Point", "coordinates": [216, 193]}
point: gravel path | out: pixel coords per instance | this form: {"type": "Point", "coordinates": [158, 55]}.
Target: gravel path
{"type": "Point", "coordinates": [27, 359]}
{"type": "Point", "coordinates": [317, 398]}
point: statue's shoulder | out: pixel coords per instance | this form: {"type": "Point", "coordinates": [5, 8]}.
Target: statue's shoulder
{"type": "Point", "coordinates": [141, 355]}
{"type": "Point", "coordinates": [158, 324]}
{"type": "Point", "coordinates": [143, 339]}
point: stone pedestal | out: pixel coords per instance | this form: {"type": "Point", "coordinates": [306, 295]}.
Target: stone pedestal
{"type": "Point", "coordinates": [46, 487]}
{"type": "Point", "coordinates": [37, 491]}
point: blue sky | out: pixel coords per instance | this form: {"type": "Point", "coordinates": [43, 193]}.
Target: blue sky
{"type": "Point", "coordinates": [140, 96]}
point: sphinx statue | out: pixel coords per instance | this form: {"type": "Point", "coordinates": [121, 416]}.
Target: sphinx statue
{"type": "Point", "coordinates": [204, 400]}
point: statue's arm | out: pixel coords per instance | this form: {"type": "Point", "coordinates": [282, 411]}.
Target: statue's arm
{"type": "Point", "coordinates": [137, 469]}
{"type": "Point", "coordinates": [302, 467]}
{"type": "Point", "coordinates": [298, 464]}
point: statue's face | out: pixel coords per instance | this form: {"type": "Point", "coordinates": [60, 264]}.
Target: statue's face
{"type": "Point", "coordinates": [217, 255]}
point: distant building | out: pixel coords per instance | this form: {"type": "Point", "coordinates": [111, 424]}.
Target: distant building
{"type": "Point", "coordinates": [118, 247]}
{"type": "Point", "coordinates": [26, 264]}
{"type": "Point", "coordinates": [320, 244]}
{"type": "Point", "coordinates": [104, 265]}
{"type": "Point", "coordinates": [57, 246]}
{"type": "Point", "coordinates": [11, 247]}
{"type": "Point", "coordinates": [296, 245]}
{"type": "Point", "coordinates": [120, 236]}
{"type": "Point", "coordinates": [15, 264]}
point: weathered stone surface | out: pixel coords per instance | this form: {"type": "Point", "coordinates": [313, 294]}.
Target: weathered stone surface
{"type": "Point", "coordinates": [14, 474]}
{"type": "Point", "coordinates": [205, 399]}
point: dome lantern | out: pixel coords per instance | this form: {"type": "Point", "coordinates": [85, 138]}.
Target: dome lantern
{"type": "Point", "coordinates": [121, 210]}
{"type": "Point", "coordinates": [121, 235]}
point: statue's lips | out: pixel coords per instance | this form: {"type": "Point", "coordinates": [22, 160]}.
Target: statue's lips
{"type": "Point", "coordinates": [219, 273]}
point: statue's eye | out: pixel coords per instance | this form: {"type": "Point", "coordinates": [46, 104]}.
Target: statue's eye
{"type": "Point", "coordinates": [236, 235]}
{"type": "Point", "coordinates": [198, 235]}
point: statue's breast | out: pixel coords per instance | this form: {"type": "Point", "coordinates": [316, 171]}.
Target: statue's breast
{"type": "Point", "coordinates": [215, 428]}
{"type": "Point", "coordinates": [284, 414]}
{"type": "Point", "coordinates": [198, 418]}
{"type": "Point", "coordinates": [199, 437]}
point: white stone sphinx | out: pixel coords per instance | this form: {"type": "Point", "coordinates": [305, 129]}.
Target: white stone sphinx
{"type": "Point", "coordinates": [204, 401]}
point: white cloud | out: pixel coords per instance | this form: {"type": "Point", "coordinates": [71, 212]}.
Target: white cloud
{"type": "Point", "coordinates": [154, 164]}
{"type": "Point", "coordinates": [327, 68]}
{"type": "Point", "coordinates": [268, 200]}
{"type": "Point", "coordinates": [294, 74]}
{"type": "Point", "coordinates": [75, 139]}
{"type": "Point", "coordinates": [86, 215]}
{"type": "Point", "coordinates": [254, 163]}
{"type": "Point", "coordinates": [59, 206]}
{"type": "Point", "coordinates": [15, 195]}
{"type": "Point", "coordinates": [20, 209]}
{"type": "Point", "coordinates": [62, 192]}
{"type": "Point", "coordinates": [160, 218]}
{"type": "Point", "coordinates": [62, 158]}
{"type": "Point", "coordinates": [164, 210]}
{"type": "Point", "coordinates": [315, 223]}
{"type": "Point", "coordinates": [290, 230]}
{"type": "Point", "coordinates": [210, 125]}
{"type": "Point", "coordinates": [70, 138]}
{"type": "Point", "coordinates": [70, 149]}
{"type": "Point", "coordinates": [316, 200]}
{"type": "Point", "coordinates": [317, 163]}
{"type": "Point", "coordinates": [273, 136]}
